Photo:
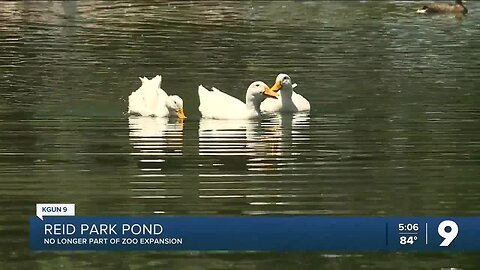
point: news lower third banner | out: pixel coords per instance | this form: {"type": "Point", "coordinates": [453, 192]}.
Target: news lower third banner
{"type": "Point", "coordinates": [295, 233]}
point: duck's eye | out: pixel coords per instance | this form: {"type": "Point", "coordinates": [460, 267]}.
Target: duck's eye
{"type": "Point", "coordinates": [257, 85]}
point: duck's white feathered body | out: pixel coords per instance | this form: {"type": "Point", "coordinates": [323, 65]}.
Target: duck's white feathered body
{"type": "Point", "coordinates": [288, 101]}
{"type": "Point", "coordinates": [151, 100]}
{"type": "Point", "coordinates": [218, 105]}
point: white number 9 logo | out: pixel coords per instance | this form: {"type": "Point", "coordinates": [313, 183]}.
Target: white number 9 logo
{"type": "Point", "coordinates": [450, 235]}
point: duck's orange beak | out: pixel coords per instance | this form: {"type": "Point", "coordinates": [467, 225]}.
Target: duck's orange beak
{"type": "Point", "coordinates": [269, 93]}
{"type": "Point", "coordinates": [180, 114]}
{"type": "Point", "coordinates": [277, 86]}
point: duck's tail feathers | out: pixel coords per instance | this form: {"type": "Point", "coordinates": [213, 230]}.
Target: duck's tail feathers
{"type": "Point", "coordinates": [143, 79]}
{"type": "Point", "coordinates": [202, 89]}
{"type": "Point", "coordinates": [157, 80]}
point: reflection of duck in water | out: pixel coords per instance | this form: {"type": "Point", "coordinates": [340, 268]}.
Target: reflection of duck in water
{"type": "Point", "coordinates": [289, 101]}
{"type": "Point", "coordinates": [439, 8]}
{"type": "Point", "coordinates": [283, 129]}
{"type": "Point", "coordinates": [208, 125]}
{"type": "Point", "coordinates": [144, 127]}
{"type": "Point", "coordinates": [223, 137]}
{"type": "Point", "coordinates": [156, 135]}
{"type": "Point", "coordinates": [151, 100]}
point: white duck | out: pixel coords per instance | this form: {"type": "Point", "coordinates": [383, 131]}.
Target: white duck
{"type": "Point", "coordinates": [289, 101]}
{"type": "Point", "coordinates": [218, 105]}
{"type": "Point", "coordinates": [151, 100]}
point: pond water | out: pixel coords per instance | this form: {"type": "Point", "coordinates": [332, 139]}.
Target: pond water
{"type": "Point", "coordinates": [393, 131]}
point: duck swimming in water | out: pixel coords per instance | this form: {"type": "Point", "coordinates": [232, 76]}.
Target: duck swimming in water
{"type": "Point", "coordinates": [151, 100]}
{"type": "Point", "coordinates": [289, 101]}
{"type": "Point", "coordinates": [219, 105]}
{"type": "Point", "coordinates": [443, 8]}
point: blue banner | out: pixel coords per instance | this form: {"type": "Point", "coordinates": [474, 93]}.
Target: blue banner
{"type": "Point", "coordinates": [299, 233]}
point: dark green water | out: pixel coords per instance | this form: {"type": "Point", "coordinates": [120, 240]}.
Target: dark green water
{"type": "Point", "coordinates": [394, 127]}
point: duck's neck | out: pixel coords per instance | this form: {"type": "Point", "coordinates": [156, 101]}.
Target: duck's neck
{"type": "Point", "coordinates": [286, 95]}
{"type": "Point", "coordinates": [253, 103]}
